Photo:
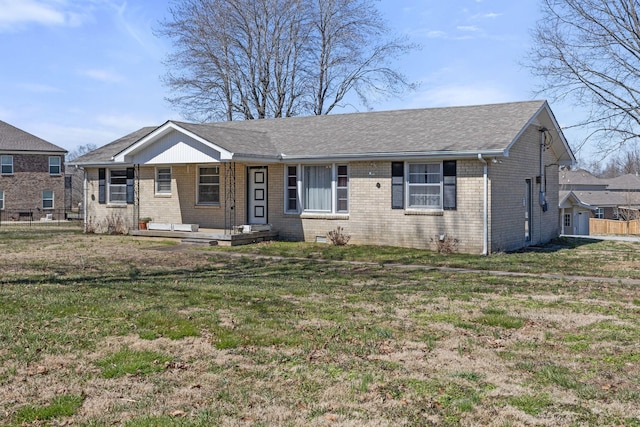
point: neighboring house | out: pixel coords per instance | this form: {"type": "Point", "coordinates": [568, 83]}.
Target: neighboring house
{"type": "Point", "coordinates": [484, 175]}
{"type": "Point", "coordinates": [31, 176]}
{"type": "Point", "coordinates": [584, 196]}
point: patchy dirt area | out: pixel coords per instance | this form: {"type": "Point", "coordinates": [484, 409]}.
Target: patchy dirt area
{"type": "Point", "coordinates": [199, 339]}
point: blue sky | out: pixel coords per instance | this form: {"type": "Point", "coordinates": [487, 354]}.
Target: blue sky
{"type": "Point", "coordinates": [76, 72]}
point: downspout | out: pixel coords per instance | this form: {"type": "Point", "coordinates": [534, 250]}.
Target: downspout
{"type": "Point", "coordinates": [485, 216]}
{"type": "Point", "coordinates": [85, 189]}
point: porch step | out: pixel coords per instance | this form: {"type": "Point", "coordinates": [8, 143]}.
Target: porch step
{"type": "Point", "coordinates": [199, 241]}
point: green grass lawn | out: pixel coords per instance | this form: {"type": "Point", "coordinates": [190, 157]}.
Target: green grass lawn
{"type": "Point", "coordinates": [112, 330]}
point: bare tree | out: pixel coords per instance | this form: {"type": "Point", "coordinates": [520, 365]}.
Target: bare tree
{"type": "Point", "coordinates": [588, 51]}
{"type": "Point", "coordinates": [252, 59]}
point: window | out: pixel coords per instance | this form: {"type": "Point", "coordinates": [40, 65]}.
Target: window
{"type": "Point", "coordinates": [600, 213]}
{"type": "Point", "coordinates": [292, 189]}
{"type": "Point", "coordinates": [449, 185]}
{"type": "Point", "coordinates": [6, 165]}
{"type": "Point", "coordinates": [54, 165]}
{"type": "Point", "coordinates": [324, 188]}
{"type": "Point", "coordinates": [47, 199]}
{"type": "Point", "coordinates": [1, 200]}
{"type": "Point", "coordinates": [397, 185]}
{"type": "Point", "coordinates": [163, 180]}
{"type": "Point", "coordinates": [208, 185]}
{"type": "Point", "coordinates": [318, 186]}
{"type": "Point", "coordinates": [118, 186]}
{"type": "Point", "coordinates": [342, 189]}
{"type": "Point", "coordinates": [424, 189]}
{"type": "Point", "coordinates": [567, 220]}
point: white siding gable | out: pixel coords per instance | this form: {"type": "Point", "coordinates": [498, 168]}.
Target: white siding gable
{"type": "Point", "coordinates": [174, 148]}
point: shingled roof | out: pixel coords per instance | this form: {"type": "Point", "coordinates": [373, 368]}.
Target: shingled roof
{"type": "Point", "coordinates": [14, 140]}
{"type": "Point", "coordinates": [106, 152]}
{"type": "Point", "coordinates": [488, 129]}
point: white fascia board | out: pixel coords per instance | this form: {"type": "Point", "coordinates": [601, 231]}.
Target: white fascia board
{"type": "Point", "coordinates": [163, 130]}
{"type": "Point", "coordinates": [534, 121]}
{"type": "Point", "coordinates": [434, 155]}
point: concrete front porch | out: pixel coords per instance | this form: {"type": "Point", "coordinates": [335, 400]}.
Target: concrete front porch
{"type": "Point", "coordinates": [210, 236]}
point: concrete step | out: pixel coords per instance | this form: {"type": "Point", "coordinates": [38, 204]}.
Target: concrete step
{"type": "Point", "coordinates": [199, 241]}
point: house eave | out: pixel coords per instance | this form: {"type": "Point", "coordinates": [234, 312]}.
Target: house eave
{"type": "Point", "coordinates": [414, 155]}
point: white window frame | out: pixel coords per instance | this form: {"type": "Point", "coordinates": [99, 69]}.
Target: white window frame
{"type": "Point", "coordinates": [1, 200]}
{"type": "Point", "coordinates": [300, 188]}
{"type": "Point", "coordinates": [409, 186]}
{"type": "Point", "coordinates": [599, 213]}
{"type": "Point", "coordinates": [6, 160]}
{"type": "Point", "coordinates": [164, 180]}
{"type": "Point", "coordinates": [52, 165]}
{"type": "Point", "coordinates": [45, 199]}
{"type": "Point", "coordinates": [339, 187]}
{"type": "Point", "coordinates": [198, 184]}
{"type": "Point", "coordinates": [297, 187]}
{"type": "Point", "coordinates": [111, 187]}
{"type": "Point", "coordinates": [567, 220]}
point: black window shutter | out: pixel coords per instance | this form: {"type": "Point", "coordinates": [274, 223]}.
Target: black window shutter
{"type": "Point", "coordinates": [449, 185]}
{"type": "Point", "coordinates": [130, 193]}
{"type": "Point", "coordinates": [397, 185]}
{"type": "Point", "coordinates": [102, 186]}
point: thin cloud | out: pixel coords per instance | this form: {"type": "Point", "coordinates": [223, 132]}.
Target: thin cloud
{"type": "Point", "coordinates": [469, 28]}
{"type": "Point", "coordinates": [38, 88]}
{"type": "Point", "coordinates": [15, 15]}
{"type": "Point", "coordinates": [106, 76]}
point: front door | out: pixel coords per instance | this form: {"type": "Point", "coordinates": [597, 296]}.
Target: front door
{"type": "Point", "coordinates": [257, 195]}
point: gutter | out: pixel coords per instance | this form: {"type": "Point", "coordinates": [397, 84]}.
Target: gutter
{"type": "Point", "coordinates": [485, 213]}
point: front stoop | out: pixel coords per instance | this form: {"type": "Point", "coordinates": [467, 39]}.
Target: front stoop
{"type": "Point", "coordinates": [210, 238]}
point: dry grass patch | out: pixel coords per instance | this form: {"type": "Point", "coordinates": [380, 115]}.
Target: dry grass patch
{"type": "Point", "coordinates": [199, 339]}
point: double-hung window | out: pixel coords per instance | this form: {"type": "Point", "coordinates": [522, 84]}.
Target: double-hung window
{"type": "Point", "coordinates": [54, 165]}
{"type": "Point", "coordinates": [1, 200]}
{"type": "Point", "coordinates": [208, 185]}
{"type": "Point", "coordinates": [47, 199]}
{"type": "Point", "coordinates": [323, 188]}
{"type": "Point", "coordinates": [6, 165]}
{"type": "Point", "coordinates": [428, 185]}
{"type": "Point", "coordinates": [163, 180]}
{"type": "Point", "coordinates": [424, 185]}
{"type": "Point", "coordinates": [117, 186]}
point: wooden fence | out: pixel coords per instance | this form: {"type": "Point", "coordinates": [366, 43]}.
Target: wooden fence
{"type": "Point", "coordinates": [610, 226]}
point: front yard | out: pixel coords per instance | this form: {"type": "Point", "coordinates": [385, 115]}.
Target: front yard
{"type": "Point", "coordinates": [111, 330]}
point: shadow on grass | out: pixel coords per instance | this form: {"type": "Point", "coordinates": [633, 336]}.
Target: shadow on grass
{"type": "Point", "coordinates": [558, 244]}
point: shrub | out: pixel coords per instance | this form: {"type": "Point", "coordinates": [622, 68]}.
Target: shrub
{"type": "Point", "coordinates": [338, 237]}
{"type": "Point", "coordinates": [445, 244]}
{"type": "Point", "coordinates": [114, 224]}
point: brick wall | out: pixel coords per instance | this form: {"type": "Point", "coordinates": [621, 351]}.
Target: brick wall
{"type": "Point", "coordinates": [508, 190]}
{"type": "Point", "coordinates": [370, 220]}
{"type": "Point", "coordinates": [23, 190]}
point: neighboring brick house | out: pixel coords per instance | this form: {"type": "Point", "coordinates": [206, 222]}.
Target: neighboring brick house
{"type": "Point", "coordinates": [31, 176]}
{"type": "Point", "coordinates": [484, 175]}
